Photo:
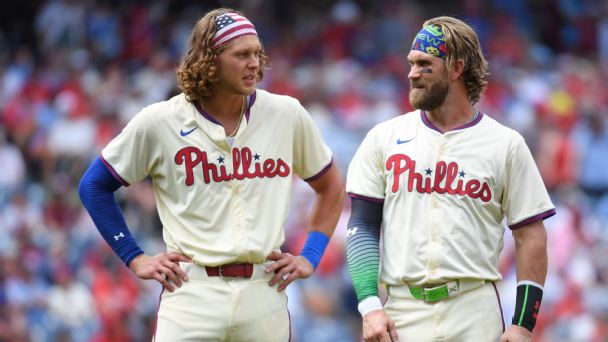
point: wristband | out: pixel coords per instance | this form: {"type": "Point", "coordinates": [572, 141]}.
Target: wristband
{"type": "Point", "coordinates": [369, 304]}
{"type": "Point", "coordinates": [314, 247]}
{"type": "Point", "coordinates": [527, 304]}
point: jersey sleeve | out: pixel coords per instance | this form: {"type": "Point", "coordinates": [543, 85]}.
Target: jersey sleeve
{"type": "Point", "coordinates": [312, 157]}
{"type": "Point", "coordinates": [131, 154]}
{"type": "Point", "coordinates": [365, 178]}
{"type": "Point", "coordinates": [525, 198]}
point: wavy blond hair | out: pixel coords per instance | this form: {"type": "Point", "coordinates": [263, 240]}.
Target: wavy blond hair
{"type": "Point", "coordinates": [462, 43]}
{"type": "Point", "coordinates": [197, 71]}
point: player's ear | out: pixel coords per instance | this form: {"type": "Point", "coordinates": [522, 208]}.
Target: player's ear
{"type": "Point", "coordinates": [457, 69]}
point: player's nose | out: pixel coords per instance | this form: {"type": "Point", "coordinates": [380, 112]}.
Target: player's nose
{"type": "Point", "coordinates": [253, 62]}
{"type": "Point", "coordinates": [414, 72]}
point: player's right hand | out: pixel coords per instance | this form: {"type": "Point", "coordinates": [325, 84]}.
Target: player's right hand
{"type": "Point", "coordinates": [163, 267]}
{"type": "Point", "coordinates": [516, 333]}
{"type": "Point", "coordinates": [379, 327]}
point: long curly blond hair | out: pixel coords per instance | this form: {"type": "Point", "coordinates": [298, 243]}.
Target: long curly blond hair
{"type": "Point", "coordinates": [198, 69]}
{"type": "Point", "coordinates": [462, 43]}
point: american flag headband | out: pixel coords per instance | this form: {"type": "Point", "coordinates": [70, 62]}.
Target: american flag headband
{"type": "Point", "coordinates": [229, 26]}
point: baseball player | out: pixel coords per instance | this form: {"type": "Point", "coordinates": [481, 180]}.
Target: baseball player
{"type": "Point", "coordinates": [440, 180]}
{"type": "Point", "coordinates": [221, 157]}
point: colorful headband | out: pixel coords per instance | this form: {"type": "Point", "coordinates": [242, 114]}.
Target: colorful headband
{"type": "Point", "coordinates": [229, 26]}
{"type": "Point", "coordinates": [430, 40]}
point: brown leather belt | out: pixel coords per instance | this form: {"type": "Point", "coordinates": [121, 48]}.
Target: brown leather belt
{"type": "Point", "coordinates": [230, 270]}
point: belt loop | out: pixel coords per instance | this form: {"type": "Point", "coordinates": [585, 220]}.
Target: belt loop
{"type": "Point", "coordinates": [453, 288]}
{"type": "Point", "coordinates": [219, 271]}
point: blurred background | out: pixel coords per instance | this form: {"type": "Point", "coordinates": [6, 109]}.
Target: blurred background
{"type": "Point", "coordinates": [72, 74]}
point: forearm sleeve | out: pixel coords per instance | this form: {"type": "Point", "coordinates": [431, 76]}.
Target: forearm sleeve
{"type": "Point", "coordinates": [362, 247]}
{"type": "Point", "coordinates": [96, 190]}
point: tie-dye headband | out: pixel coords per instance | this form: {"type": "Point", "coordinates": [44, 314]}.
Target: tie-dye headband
{"type": "Point", "coordinates": [229, 26]}
{"type": "Point", "coordinates": [430, 40]}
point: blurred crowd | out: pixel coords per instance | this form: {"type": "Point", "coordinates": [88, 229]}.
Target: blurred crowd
{"type": "Point", "coordinates": [72, 74]}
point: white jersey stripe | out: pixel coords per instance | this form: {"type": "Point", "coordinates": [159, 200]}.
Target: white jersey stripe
{"type": "Point", "coordinates": [231, 28]}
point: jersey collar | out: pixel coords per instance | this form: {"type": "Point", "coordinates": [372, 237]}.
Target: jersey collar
{"type": "Point", "coordinates": [250, 102]}
{"type": "Point", "coordinates": [430, 125]}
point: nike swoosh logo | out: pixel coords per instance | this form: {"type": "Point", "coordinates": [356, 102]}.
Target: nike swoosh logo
{"type": "Point", "coordinates": [399, 141]}
{"type": "Point", "coordinates": [183, 134]}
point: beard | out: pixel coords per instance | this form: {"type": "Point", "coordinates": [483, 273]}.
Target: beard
{"type": "Point", "coordinates": [431, 97]}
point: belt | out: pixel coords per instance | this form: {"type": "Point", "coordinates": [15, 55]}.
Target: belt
{"type": "Point", "coordinates": [230, 270]}
{"type": "Point", "coordinates": [437, 292]}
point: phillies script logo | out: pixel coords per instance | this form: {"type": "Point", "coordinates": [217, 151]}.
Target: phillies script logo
{"type": "Point", "coordinates": [242, 166]}
{"type": "Point", "coordinates": [448, 172]}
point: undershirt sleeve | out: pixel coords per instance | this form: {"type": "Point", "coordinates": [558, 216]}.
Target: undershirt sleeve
{"type": "Point", "coordinates": [363, 246]}
{"type": "Point", "coordinates": [96, 190]}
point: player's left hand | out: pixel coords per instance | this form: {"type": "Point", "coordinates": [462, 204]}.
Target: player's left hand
{"type": "Point", "coordinates": [516, 334]}
{"type": "Point", "coordinates": [295, 266]}
{"type": "Point", "coordinates": [163, 267]}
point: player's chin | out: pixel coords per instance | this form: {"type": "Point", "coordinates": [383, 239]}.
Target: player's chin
{"type": "Point", "coordinates": [248, 90]}
{"type": "Point", "coordinates": [416, 97]}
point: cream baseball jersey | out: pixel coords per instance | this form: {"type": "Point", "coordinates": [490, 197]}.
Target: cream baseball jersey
{"type": "Point", "coordinates": [219, 203]}
{"type": "Point", "coordinates": [445, 195]}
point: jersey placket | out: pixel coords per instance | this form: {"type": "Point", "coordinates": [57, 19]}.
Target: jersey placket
{"type": "Point", "coordinates": [237, 210]}
{"type": "Point", "coordinates": [236, 200]}
{"type": "Point", "coordinates": [435, 218]}
{"type": "Point", "coordinates": [238, 215]}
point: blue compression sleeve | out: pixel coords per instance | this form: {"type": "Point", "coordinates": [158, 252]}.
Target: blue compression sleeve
{"type": "Point", "coordinates": [315, 245]}
{"type": "Point", "coordinates": [363, 247]}
{"type": "Point", "coordinates": [96, 190]}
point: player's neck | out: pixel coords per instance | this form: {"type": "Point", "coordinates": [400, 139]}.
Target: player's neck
{"type": "Point", "coordinates": [448, 117]}
{"type": "Point", "coordinates": [224, 107]}
{"type": "Point", "coordinates": [455, 111]}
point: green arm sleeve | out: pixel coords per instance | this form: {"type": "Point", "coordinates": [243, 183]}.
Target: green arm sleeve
{"type": "Point", "coordinates": [362, 246]}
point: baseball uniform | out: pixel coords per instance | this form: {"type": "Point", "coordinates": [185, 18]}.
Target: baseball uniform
{"type": "Point", "coordinates": [445, 196]}
{"type": "Point", "coordinates": [222, 204]}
